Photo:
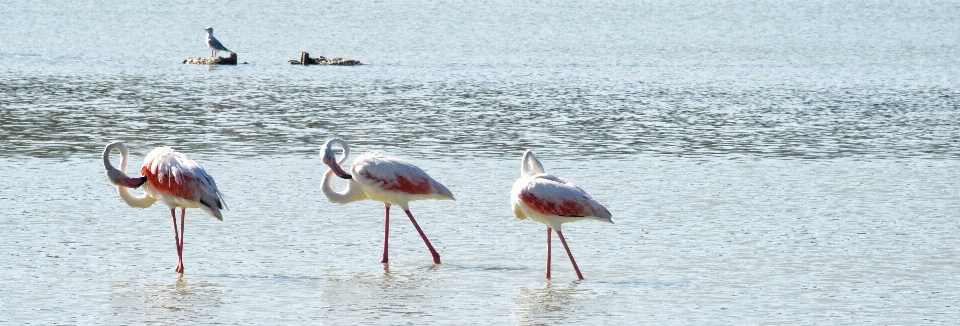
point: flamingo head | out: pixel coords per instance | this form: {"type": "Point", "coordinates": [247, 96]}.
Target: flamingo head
{"type": "Point", "coordinates": [118, 176]}
{"type": "Point", "coordinates": [332, 163]}
{"type": "Point", "coordinates": [330, 159]}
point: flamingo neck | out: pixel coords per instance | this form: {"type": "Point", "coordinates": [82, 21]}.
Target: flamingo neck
{"type": "Point", "coordinates": [529, 165]}
{"type": "Point", "coordinates": [350, 194]}
{"type": "Point", "coordinates": [113, 173]}
{"type": "Point", "coordinates": [134, 201]}
{"type": "Point", "coordinates": [119, 176]}
{"type": "Point", "coordinates": [328, 153]}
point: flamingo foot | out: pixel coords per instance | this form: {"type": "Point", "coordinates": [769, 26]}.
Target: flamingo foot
{"type": "Point", "coordinates": [570, 254]}
{"type": "Point", "coordinates": [433, 252]}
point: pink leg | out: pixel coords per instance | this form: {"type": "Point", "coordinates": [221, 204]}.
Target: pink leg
{"type": "Point", "coordinates": [580, 276]}
{"type": "Point", "coordinates": [386, 232]}
{"type": "Point", "coordinates": [549, 244]}
{"type": "Point", "coordinates": [436, 256]}
{"type": "Point", "coordinates": [176, 238]}
{"type": "Point", "coordinates": [183, 224]}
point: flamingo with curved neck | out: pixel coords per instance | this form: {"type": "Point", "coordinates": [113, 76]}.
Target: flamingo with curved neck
{"type": "Point", "coordinates": [552, 201]}
{"type": "Point", "coordinates": [382, 178]}
{"type": "Point", "coordinates": [124, 182]}
{"type": "Point", "coordinates": [170, 177]}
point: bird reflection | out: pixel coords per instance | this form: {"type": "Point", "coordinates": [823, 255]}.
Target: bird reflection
{"type": "Point", "coordinates": [386, 271]}
{"type": "Point", "coordinates": [547, 305]}
{"type": "Point", "coordinates": [181, 298]}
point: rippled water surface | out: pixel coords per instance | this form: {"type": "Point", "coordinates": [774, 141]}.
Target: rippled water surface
{"type": "Point", "coordinates": [765, 162]}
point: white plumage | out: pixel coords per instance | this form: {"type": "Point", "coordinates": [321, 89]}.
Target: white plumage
{"type": "Point", "coordinates": [170, 177]}
{"type": "Point", "coordinates": [182, 179]}
{"type": "Point", "coordinates": [382, 178]}
{"type": "Point", "coordinates": [552, 201]}
{"type": "Point", "coordinates": [560, 201]}
{"type": "Point", "coordinates": [214, 44]}
{"type": "Point", "coordinates": [379, 177]}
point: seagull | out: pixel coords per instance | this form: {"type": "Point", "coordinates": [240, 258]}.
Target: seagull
{"type": "Point", "coordinates": [214, 45]}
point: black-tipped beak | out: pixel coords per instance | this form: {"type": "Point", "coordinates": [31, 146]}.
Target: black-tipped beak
{"type": "Point", "coordinates": [132, 182]}
{"type": "Point", "coordinates": [336, 168]}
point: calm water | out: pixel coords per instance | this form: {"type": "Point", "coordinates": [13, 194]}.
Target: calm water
{"type": "Point", "coordinates": [765, 162]}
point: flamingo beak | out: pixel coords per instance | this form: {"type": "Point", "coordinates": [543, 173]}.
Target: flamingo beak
{"type": "Point", "coordinates": [336, 168]}
{"type": "Point", "coordinates": [340, 172]}
{"type": "Point", "coordinates": [133, 182]}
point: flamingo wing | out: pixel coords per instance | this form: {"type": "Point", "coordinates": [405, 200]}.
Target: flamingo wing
{"type": "Point", "coordinates": [394, 174]}
{"type": "Point", "coordinates": [550, 195]}
{"type": "Point", "coordinates": [174, 174]}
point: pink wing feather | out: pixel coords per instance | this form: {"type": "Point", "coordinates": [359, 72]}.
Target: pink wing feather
{"type": "Point", "coordinates": [174, 174]}
{"type": "Point", "coordinates": [397, 175]}
{"type": "Point", "coordinates": [550, 195]}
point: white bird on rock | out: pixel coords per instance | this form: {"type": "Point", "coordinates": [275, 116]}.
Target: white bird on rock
{"type": "Point", "coordinates": [214, 44]}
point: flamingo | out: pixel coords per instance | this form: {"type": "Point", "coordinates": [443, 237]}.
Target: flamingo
{"type": "Point", "coordinates": [213, 43]}
{"type": "Point", "coordinates": [170, 177]}
{"type": "Point", "coordinates": [384, 179]}
{"type": "Point", "coordinates": [552, 201]}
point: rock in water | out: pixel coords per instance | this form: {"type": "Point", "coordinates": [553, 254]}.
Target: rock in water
{"type": "Point", "coordinates": [230, 60]}
{"type": "Point", "coordinates": [327, 62]}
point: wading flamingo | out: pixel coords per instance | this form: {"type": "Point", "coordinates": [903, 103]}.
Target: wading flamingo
{"type": "Point", "coordinates": [552, 201]}
{"type": "Point", "coordinates": [213, 43]}
{"type": "Point", "coordinates": [170, 177]}
{"type": "Point", "coordinates": [384, 179]}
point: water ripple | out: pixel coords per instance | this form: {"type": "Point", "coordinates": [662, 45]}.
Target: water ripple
{"type": "Point", "coordinates": [595, 110]}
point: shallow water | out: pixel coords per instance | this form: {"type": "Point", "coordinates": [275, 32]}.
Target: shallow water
{"type": "Point", "coordinates": [765, 162]}
{"type": "Point", "coordinates": [694, 241]}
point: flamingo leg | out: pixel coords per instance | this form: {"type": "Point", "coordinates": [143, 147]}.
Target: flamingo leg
{"type": "Point", "coordinates": [436, 256]}
{"type": "Point", "coordinates": [549, 245]}
{"type": "Point", "coordinates": [386, 232]}
{"type": "Point", "coordinates": [176, 238]}
{"type": "Point", "coordinates": [183, 224]}
{"type": "Point", "coordinates": [560, 234]}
